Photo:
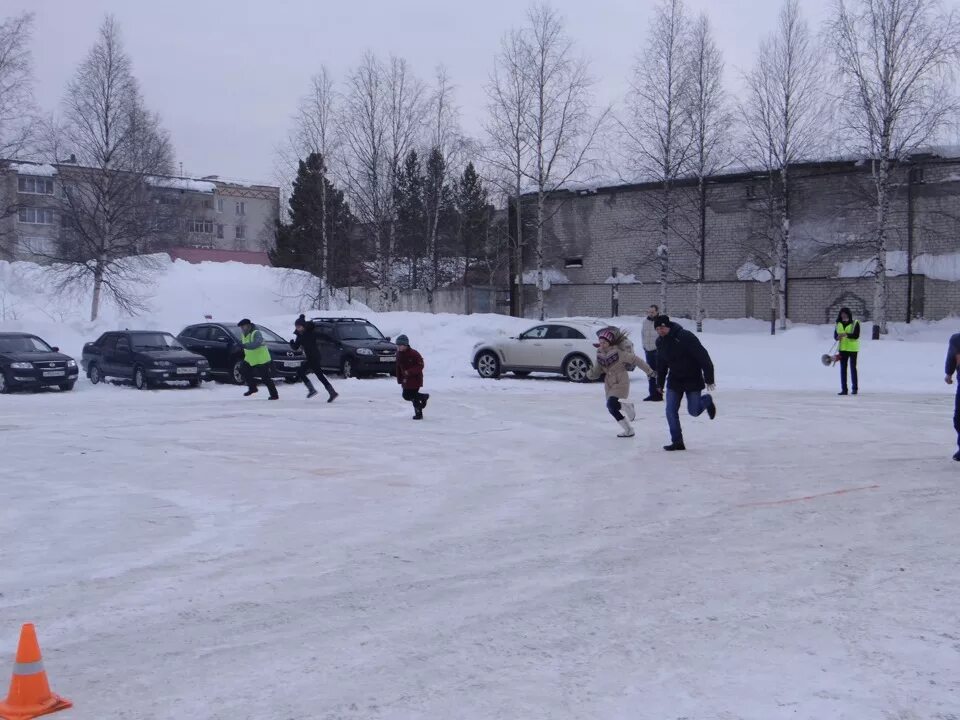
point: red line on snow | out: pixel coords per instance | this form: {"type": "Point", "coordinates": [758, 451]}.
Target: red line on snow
{"type": "Point", "coordinates": [809, 497]}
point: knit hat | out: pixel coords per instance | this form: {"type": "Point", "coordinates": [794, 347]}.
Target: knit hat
{"type": "Point", "coordinates": [661, 321]}
{"type": "Point", "coordinates": [607, 334]}
{"type": "Point", "coordinates": [403, 340]}
{"type": "Point", "coordinates": [300, 321]}
{"type": "Point", "coordinates": [245, 321]}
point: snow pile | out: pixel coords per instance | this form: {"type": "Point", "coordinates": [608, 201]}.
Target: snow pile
{"type": "Point", "coordinates": [36, 169]}
{"type": "Point", "coordinates": [172, 183]}
{"type": "Point", "coordinates": [751, 271]}
{"type": "Point", "coordinates": [936, 267]}
{"type": "Point", "coordinates": [551, 276]}
{"type": "Point", "coordinates": [623, 280]}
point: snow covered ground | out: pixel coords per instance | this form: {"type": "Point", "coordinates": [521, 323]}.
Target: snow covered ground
{"type": "Point", "coordinates": [194, 553]}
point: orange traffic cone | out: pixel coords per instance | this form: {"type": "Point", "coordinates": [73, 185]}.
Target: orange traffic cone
{"type": "Point", "coordinates": [30, 694]}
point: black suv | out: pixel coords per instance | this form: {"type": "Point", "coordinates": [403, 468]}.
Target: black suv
{"type": "Point", "coordinates": [148, 357]}
{"type": "Point", "coordinates": [26, 361]}
{"type": "Point", "coordinates": [219, 343]}
{"type": "Point", "coordinates": [354, 346]}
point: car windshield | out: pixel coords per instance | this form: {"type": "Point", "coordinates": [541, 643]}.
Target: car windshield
{"type": "Point", "coordinates": [23, 344]}
{"type": "Point", "coordinates": [155, 341]}
{"type": "Point", "coordinates": [267, 334]}
{"type": "Point", "coordinates": [358, 331]}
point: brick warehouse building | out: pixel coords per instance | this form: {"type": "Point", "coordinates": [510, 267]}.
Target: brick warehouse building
{"type": "Point", "coordinates": [589, 233]}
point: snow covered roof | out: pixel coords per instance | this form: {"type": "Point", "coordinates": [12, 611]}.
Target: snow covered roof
{"type": "Point", "coordinates": [175, 183]}
{"type": "Point", "coordinates": [29, 168]}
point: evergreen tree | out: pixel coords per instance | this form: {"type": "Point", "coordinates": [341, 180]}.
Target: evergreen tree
{"type": "Point", "coordinates": [411, 218]}
{"type": "Point", "coordinates": [438, 205]}
{"type": "Point", "coordinates": [318, 236]}
{"type": "Point", "coordinates": [473, 216]}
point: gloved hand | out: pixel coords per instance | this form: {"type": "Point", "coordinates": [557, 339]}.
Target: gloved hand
{"type": "Point", "coordinates": [711, 387]}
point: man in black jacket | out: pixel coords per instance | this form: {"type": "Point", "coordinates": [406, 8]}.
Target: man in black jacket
{"type": "Point", "coordinates": [306, 338]}
{"type": "Point", "coordinates": [953, 354]}
{"type": "Point", "coordinates": [683, 367]}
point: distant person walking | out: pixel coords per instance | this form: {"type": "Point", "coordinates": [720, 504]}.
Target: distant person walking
{"type": "Point", "coordinates": [256, 357]}
{"type": "Point", "coordinates": [953, 359]}
{"type": "Point", "coordinates": [649, 339]}
{"type": "Point", "coordinates": [847, 334]}
{"type": "Point", "coordinates": [684, 367]}
{"type": "Point", "coordinates": [410, 376]}
{"type": "Point", "coordinates": [306, 339]}
{"type": "Point", "coordinates": [615, 359]}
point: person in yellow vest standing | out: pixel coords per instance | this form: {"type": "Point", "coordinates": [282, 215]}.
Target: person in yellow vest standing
{"type": "Point", "coordinates": [256, 357]}
{"type": "Point", "coordinates": [847, 334]}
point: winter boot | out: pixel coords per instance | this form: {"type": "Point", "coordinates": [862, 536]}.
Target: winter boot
{"type": "Point", "coordinates": [711, 408]}
{"type": "Point", "coordinates": [423, 399]}
{"type": "Point", "coordinates": [311, 390]}
{"type": "Point", "coordinates": [251, 391]}
{"type": "Point", "coordinates": [418, 415]}
{"type": "Point", "coordinates": [629, 410]}
{"type": "Point", "coordinates": [333, 396]}
{"type": "Point", "coordinates": [674, 446]}
{"type": "Point", "coordinates": [627, 430]}
{"type": "Point", "coordinates": [956, 456]}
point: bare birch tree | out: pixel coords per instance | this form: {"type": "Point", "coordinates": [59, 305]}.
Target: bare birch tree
{"type": "Point", "coordinates": [317, 132]}
{"type": "Point", "coordinates": [110, 215]}
{"type": "Point", "coordinates": [558, 122]}
{"type": "Point", "coordinates": [508, 145]}
{"type": "Point", "coordinates": [18, 117]}
{"type": "Point", "coordinates": [657, 129]}
{"type": "Point", "coordinates": [783, 118]}
{"type": "Point", "coordinates": [365, 129]}
{"type": "Point", "coordinates": [894, 60]}
{"type": "Point", "coordinates": [710, 122]}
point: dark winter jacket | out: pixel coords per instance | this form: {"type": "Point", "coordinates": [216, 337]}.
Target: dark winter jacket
{"type": "Point", "coordinates": [308, 341]}
{"type": "Point", "coordinates": [953, 349]}
{"type": "Point", "coordinates": [410, 369]}
{"type": "Point", "coordinates": [682, 362]}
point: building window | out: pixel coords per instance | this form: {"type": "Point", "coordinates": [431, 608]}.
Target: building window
{"type": "Point", "coordinates": [219, 205]}
{"type": "Point", "coordinates": [35, 185]}
{"type": "Point", "coordinates": [573, 263]}
{"type": "Point", "coordinates": [36, 216]}
{"type": "Point", "coordinates": [219, 232]}
{"type": "Point", "coordinates": [201, 226]}
{"type": "Point", "coordinates": [241, 232]}
{"type": "Point", "coordinates": [208, 204]}
{"type": "Point", "coordinates": [750, 191]}
{"type": "Point", "coordinates": [241, 208]}
{"type": "Point", "coordinates": [166, 199]}
{"type": "Point", "coordinates": [35, 246]}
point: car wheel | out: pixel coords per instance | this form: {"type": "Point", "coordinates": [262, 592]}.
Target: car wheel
{"type": "Point", "coordinates": [521, 373]}
{"type": "Point", "coordinates": [346, 368]}
{"type": "Point", "coordinates": [140, 379]}
{"type": "Point", "coordinates": [4, 385]}
{"type": "Point", "coordinates": [94, 374]}
{"type": "Point", "coordinates": [67, 386]}
{"type": "Point", "coordinates": [488, 364]}
{"type": "Point", "coordinates": [237, 373]}
{"type": "Point", "coordinates": [194, 383]}
{"type": "Point", "coordinates": [575, 368]}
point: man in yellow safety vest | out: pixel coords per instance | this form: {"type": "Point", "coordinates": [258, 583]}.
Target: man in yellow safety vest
{"type": "Point", "coordinates": [257, 360]}
{"type": "Point", "coordinates": [847, 333]}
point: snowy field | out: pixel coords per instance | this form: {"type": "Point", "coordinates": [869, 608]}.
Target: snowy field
{"type": "Point", "coordinates": [194, 553]}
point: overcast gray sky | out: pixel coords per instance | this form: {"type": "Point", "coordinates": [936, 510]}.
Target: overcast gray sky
{"type": "Point", "coordinates": [226, 75]}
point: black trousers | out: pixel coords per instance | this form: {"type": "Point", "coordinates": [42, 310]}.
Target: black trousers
{"type": "Point", "coordinates": [956, 415]}
{"type": "Point", "coordinates": [314, 367]}
{"type": "Point", "coordinates": [261, 373]}
{"type": "Point", "coordinates": [414, 396]}
{"type": "Point", "coordinates": [613, 405]}
{"type": "Point", "coordinates": [848, 358]}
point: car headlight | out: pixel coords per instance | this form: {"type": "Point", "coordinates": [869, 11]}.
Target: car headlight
{"type": "Point", "coordinates": [71, 363]}
{"type": "Point", "coordinates": [364, 351]}
{"type": "Point", "coordinates": [21, 366]}
{"type": "Point", "coordinates": [202, 363]}
{"type": "Point", "coordinates": [163, 363]}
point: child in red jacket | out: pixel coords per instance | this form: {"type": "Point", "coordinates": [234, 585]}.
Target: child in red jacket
{"type": "Point", "coordinates": [410, 375]}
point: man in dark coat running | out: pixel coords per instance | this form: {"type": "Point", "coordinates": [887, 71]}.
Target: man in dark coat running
{"type": "Point", "coordinates": [683, 367]}
{"type": "Point", "coordinates": [306, 338]}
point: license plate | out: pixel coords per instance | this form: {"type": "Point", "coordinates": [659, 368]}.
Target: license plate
{"type": "Point", "coordinates": [186, 371]}
{"type": "Point", "coordinates": [54, 373]}
{"type": "Point", "coordinates": [291, 364]}
{"type": "Point", "coordinates": [388, 358]}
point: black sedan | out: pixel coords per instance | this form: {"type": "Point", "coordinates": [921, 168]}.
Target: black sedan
{"type": "Point", "coordinates": [147, 357]}
{"type": "Point", "coordinates": [28, 362]}
{"type": "Point", "coordinates": [219, 343]}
